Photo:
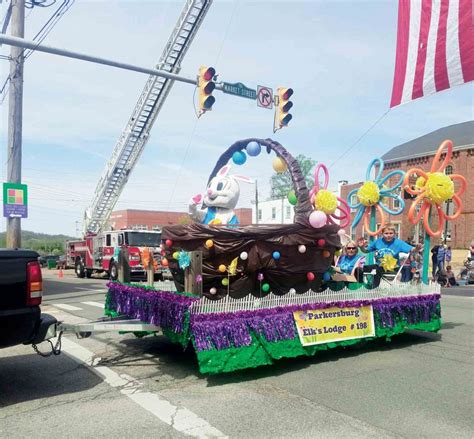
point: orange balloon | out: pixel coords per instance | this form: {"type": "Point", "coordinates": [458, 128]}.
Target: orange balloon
{"type": "Point", "coordinates": [367, 221]}
{"type": "Point", "coordinates": [164, 262]}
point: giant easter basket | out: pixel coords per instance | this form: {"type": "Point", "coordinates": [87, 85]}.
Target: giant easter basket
{"type": "Point", "coordinates": [240, 325]}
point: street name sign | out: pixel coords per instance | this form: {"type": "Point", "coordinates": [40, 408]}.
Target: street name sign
{"type": "Point", "coordinates": [239, 89]}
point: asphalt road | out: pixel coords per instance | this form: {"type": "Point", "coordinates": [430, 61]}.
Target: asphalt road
{"type": "Point", "coordinates": [418, 385]}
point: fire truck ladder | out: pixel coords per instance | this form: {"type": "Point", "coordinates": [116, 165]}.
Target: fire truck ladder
{"type": "Point", "coordinates": [135, 135]}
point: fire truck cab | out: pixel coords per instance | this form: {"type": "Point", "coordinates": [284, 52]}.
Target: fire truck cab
{"type": "Point", "coordinates": [99, 252]}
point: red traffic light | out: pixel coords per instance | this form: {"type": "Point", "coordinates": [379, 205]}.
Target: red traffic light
{"type": "Point", "coordinates": [287, 94]}
{"type": "Point", "coordinates": [209, 73]}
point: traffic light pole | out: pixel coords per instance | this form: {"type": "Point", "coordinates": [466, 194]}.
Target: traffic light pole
{"type": "Point", "coordinates": [15, 116]}
{"type": "Point", "coordinates": [26, 44]}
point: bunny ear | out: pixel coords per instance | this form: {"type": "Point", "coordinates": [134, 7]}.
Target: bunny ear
{"type": "Point", "coordinates": [224, 171]}
{"type": "Point", "coordinates": [243, 178]}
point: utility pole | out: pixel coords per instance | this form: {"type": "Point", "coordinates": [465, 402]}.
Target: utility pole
{"type": "Point", "coordinates": [15, 115]}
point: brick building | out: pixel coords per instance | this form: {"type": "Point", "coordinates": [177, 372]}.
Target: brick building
{"type": "Point", "coordinates": [419, 153]}
{"type": "Point", "coordinates": [155, 220]}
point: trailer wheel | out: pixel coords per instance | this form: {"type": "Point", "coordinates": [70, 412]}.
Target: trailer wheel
{"type": "Point", "coordinates": [113, 271]}
{"type": "Point", "coordinates": [79, 268]}
{"type": "Point", "coordinates": [88, 273]}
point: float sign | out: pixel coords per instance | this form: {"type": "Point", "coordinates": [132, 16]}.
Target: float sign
{"type": "Point", "coordinates": [239, 89]}
{"type": "Point", "coordinates": [334, 324]}
{"type": "Point", "coordinates": [15, 200]}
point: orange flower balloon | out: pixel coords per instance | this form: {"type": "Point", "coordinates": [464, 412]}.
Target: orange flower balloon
{"type": "Point", "coordinates": [432, 189]}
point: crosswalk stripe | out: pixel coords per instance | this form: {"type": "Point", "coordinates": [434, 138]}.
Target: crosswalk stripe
{"type": "Point", "coordinates": [66, 307]}
{"type": "Point", "coordinates": [97, 304]}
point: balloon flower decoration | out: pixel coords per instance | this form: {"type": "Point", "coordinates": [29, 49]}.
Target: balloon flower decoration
{"type": "Point", "coordinates": [371, 197]}
{"type": "Point", "coordinates": [326, 203]}
{"type": "Point", "coordinates": [434, 188]}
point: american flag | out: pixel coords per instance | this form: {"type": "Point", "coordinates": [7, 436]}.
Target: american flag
{"type": "Point", "coordinates": [435, 47]}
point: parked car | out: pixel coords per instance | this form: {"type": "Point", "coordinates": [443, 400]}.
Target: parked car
{"type": "Point", "coordinates": [21, 284]}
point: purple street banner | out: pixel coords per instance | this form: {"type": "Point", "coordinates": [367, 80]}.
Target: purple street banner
{"type": "Point", "coordinates": [15, 200]}
{"type": "Point", "coordinates": [334, 324]}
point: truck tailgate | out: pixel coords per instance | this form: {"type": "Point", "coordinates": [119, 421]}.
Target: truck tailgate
{"type": "Point", "coordinates": [13, 277]}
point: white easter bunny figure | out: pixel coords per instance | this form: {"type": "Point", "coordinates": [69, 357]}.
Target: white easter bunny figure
{"type": "Point", "coordinates": [221, 197]}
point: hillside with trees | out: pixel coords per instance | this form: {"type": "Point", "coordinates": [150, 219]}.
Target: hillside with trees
{"type": "Point", "coordinates": [41, 242]}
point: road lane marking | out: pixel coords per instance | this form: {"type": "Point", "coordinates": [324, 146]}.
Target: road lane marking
{"type": "Point", "coordinates": [66, 307]}
{"type": "Point", "coordinates": [92, 291]}
{"type": "Point", "coordinates": [96, 304]}
{"type": "Point", "coordinates": [180, 418]}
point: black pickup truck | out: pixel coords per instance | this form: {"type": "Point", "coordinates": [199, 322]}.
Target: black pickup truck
{"type": "Point", "coordinates": [21, 291]}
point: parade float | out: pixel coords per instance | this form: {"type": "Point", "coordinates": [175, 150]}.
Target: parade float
{"type": "Point", "coordinates": [248, 296]}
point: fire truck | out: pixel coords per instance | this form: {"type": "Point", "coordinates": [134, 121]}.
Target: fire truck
{"type": "Point", "coordinates": [99, 253]}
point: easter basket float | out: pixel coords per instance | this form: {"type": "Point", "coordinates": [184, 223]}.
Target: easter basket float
{"type": "Point", "coordinates": [264, 292]}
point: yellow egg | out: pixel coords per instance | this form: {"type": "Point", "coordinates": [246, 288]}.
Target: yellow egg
{"type": "Point", "coordinates": [279, 165]}
{"type": "Point", "coordinates": [209, 243]}
{"type": "Point", "coordinates": [222, 268]}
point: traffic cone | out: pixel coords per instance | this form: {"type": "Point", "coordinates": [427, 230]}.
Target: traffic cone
{"type": "Point", "coordinates": [60, 273]}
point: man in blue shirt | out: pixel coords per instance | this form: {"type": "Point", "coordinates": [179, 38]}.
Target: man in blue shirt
{"type": "Point", "coordinates": [387, 245]}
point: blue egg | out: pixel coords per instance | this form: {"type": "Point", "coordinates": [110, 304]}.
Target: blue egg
{"type": "Point", "coordinates": [253, 149]}
{"type": "Point", "coordinates": [239, 157]}
{"type": "Point", "coordinates": [276, 255]}
{"type": "Point", "coordinates": [327, 276]}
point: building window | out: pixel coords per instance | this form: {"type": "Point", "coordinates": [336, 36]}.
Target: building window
{"type": "Point", "coordinates": [156, 228]}
{"type": "Point", "coordinates": [274, 212]}
{"type": "Point", "coordinates": [448, 170]}
{"type": "Point", "coordinates": [288, 212]}
{"type": "Point", "coordinates": [354, 199]}
{"type": "Point", "coordinates": [260, 214]}
{"type": "Point", "coordinates": [397, 229]}
{"type": "Point", "coordinates": [353, 234]}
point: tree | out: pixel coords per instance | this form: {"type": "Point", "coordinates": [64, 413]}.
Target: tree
{"type": "Point", "coordinates": [281, 184]}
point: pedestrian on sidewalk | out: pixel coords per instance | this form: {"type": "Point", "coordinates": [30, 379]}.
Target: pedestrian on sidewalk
{"type": "Point", "coordinates": [448, 256]}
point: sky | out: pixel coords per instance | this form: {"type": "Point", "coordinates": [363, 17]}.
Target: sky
{"type": "Point", "coordinates": [338, 56]}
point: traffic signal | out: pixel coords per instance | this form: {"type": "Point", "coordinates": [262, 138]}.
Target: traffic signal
{"type": "Point", "coordinates": [206, 86]}
{"type": "Point", "coordinates": [283, 117]}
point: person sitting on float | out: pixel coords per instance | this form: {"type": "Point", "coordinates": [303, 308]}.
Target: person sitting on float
{"type": "Point", "coordinates": [386, 246]}
{"type": "Point", "coordinates": [350, 262]}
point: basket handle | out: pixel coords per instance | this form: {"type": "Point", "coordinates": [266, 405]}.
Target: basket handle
{"type": "Point", "coordinates": [303, 208]}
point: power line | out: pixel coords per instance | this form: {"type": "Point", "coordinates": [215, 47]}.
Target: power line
{"type": "Point", "coordinates": [359, 139]}
{"type": "Point", "coordinates": [41, 34]}
{"type": "Point", "coordinates": [52, 21]}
